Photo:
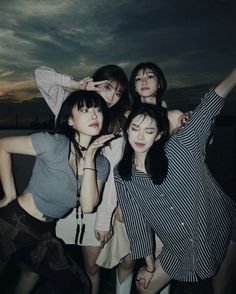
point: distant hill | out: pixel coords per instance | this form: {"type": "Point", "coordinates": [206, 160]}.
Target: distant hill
{"type": "Point", "coordinates": [188, 98]}
{"type": "Point", "coordinates": [36, 111]}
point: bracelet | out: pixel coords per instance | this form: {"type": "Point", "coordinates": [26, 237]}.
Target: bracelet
{"type": "Point", "coordinates": [151, 272]}
{"type": "Point", "coordinates": [90, 168]}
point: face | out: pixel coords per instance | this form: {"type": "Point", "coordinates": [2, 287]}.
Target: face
{"type": "Point", "coordinates": [142, 133]}
{"type": "Point", "coordinates": [146, 84]}
{"type": "Point", "coordinates": [87, 121]}
{"type": "Point", "coordinates": [111, 93]}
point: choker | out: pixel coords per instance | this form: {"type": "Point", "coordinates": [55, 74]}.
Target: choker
{"type": "Point", "coordinates": [81, 148]}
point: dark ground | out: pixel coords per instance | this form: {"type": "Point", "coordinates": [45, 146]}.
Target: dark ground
{"type": "Point", "coordinates": [9, 279]}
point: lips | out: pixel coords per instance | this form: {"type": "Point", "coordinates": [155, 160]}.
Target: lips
{"type": "Point", "coordinates": [139, 145]}
{"type": "Point", "coordinates": [94, 125]}
{"type": "Point", "coordinates": [144, 88]}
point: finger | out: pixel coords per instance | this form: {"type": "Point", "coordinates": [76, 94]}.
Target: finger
{"type": "Point", "coordinates": [99, 83]}
{"type": "Point", "coordinates": [103, 139]}
{"type": "Point", "coordinates": [88, 79]}
{"type": "Point", "coordinates": [141, 283]}
{"type": "Point", "coordinates": [97, 235]}
{"type": "Point", "coordinates": [146, 284]}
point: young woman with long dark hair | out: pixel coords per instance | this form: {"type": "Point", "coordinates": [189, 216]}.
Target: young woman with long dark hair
{"type": "Point", "coordinates": [171, 192]}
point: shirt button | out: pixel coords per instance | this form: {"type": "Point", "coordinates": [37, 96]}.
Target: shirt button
{"type": "Point", "coordinates": [182, 224]}
{"type": "Point", "coordinates": [162, 195]}
{"type": "Point", "coordinates": [191, 240]}
{"type": "Point", "coordinates": [171, 207]}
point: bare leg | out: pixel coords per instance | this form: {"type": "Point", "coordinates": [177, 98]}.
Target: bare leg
{"type": "Point", "coordinates": [160, 280]}
{"type": "Point", "coordinates": [125, 268]}
{"type": "Point", "coordinates": [26, 282]}
{"type": "Point", "coordinates": [90, 255]}
{"type": "Point", "coordinates": [225, 278]}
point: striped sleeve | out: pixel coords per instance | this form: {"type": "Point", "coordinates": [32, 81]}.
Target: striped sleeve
{"type": "Point", "coordinates": [139, 232]}
{"type": "Point", "coordinates": [52, 86]}
{"type": "Point", "coordinates": [109, 199]}
{"type": "Point", "coordinates": [199, 127]}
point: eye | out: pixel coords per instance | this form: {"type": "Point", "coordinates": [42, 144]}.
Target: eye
{"type": "Point", "coordinates": [118, 94]}
{"type": "Point", "coordinates": [83, 109]}
{"type": "Point", "coordinates": [151, 76]}
{"type": "Point", "coordinates": [149, 132]}
{"type": "Point", "coordinates": [98, 109]}
{"type": "Point", "coordinates": [134, 129]}
{"type": "Point", "coordinates": [108, 87]}
{"type": "Point", "coordinates": [137, 79]}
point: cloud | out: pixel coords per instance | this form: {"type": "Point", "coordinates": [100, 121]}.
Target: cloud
{"type": "Point", "coordinates": [192, 42]}
{"type": "Point", "coordinates": [6, 73]}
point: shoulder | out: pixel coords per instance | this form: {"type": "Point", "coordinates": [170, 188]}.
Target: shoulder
{"type": "Point", "coordinates": [174, 118]}
{"type": "Point", "coordinates": [103, 166]}
{"type": "Point", "coordinates": [46, 142]}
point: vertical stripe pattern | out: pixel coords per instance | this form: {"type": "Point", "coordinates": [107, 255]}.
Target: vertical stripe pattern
{"type": "Point", "coordinates": [188, 211]}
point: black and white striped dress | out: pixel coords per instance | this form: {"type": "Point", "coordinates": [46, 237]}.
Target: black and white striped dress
{"type": "Point", "coordinates": [189, 211]}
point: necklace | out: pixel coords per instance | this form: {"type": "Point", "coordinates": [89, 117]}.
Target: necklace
{"type": "Point", "coordinates": [77, 239]}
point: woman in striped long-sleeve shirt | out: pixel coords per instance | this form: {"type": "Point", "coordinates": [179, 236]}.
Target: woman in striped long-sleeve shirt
{"type": "Point", "coordinates": [183, 204]}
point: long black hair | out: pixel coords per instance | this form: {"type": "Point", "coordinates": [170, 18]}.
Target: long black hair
{"type": "Point", "coordinates": [79, 99]}
{"type": "Point", "coordinates": [116, 113]}
{"type": "Point", "coordinates": [156, 162]}
{"type": "Point", "coordinates": [161, 79]}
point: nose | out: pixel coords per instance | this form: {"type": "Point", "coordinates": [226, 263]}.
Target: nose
{"type": "Point", "coordinates": [112, 95]}
{"type": "Point", "coordinates": [144, 80]}
{"type": "Point", "coordinates": [140, 135]}
{"type": "Point", "coordinates": [94, 114]}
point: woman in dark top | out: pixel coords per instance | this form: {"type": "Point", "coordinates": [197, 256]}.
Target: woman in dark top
{"type": "Point", "coordinates": [171, 191]}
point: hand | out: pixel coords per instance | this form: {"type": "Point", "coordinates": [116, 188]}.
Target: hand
{"type": "Point", "coordinates": [119, 214]}
{"type": "Point", "coordinates": [143, 278]}
{"type": "Point", "coordinates": [103, 236]}
{"type": "Point", "coordinates": [89, 85]}
{"type": "Point", "coordinates": [184, 118]}
{"type": "Point", "coordinates": [98, 143]}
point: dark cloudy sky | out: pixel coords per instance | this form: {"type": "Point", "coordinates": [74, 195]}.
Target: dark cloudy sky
{"type": "Point", "coordinates": [193, 41]}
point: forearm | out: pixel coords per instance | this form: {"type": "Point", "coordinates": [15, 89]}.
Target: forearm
{"type": "Point", "coordinates": [150, 265]}
{"type": "Point", "coordinates": [107, 206]}
{"type": "Point", "coordinates": [6, 177]}
{"type": "Point", "coordinates": [53, 86]}
{"type": "Point", "coordinates": [225, 87]}
{"type": "Point", "coordinates": [89, 193]}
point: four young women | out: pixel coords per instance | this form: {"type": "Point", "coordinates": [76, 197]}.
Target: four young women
{"type": "Point", "coordinates": [148, 86]}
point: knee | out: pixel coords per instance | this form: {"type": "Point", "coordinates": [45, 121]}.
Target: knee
{"type": "Point", "coordinates": [127, 263]}
{"type": "Point", "coordinates": [28, 275]}
{"type": "Point", "coordinates": [91, 268]}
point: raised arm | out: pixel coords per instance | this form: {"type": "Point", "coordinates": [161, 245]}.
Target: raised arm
{"type": "Point", "coordinates": [55, 87]}
{"type": "Point", "coordinates": [225, 87]}
{"type": "Point", "coordinates": [20, 145]}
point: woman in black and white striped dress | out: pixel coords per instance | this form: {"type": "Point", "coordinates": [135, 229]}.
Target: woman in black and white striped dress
{"type": "Point", "coordinates": [171, 191]}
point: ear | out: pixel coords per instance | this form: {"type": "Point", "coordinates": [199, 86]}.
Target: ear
{"type": "Point", "coordinates": [158, 137]}
{"type": "Point", "coordinates": [70, 122]}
